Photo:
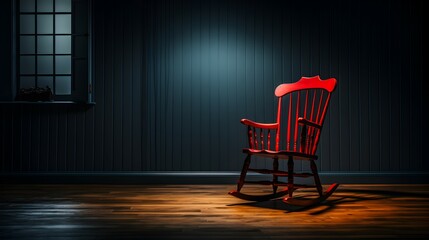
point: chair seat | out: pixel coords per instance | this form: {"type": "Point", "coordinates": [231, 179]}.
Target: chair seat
{"type": "Point", "coordinates": [283, 154]}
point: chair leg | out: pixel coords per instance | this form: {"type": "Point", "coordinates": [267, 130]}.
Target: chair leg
{"type": "Point", "coordinates": [275, 177]}
{"type": "Point", "coordinates": [316, 177]}
{"type": "Point", "coordinates": [243, 172]}
{"type": "Point", "coordinates": [290, 176]}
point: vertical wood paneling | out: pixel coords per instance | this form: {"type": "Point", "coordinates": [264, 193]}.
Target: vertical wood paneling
{"type": "Point", "coordinates": [118, 85]}
{"type": "Point", "coordinates": [213, 46]}
{"type": "Point", "coordinates": [195, 159]}
{"type": "Point", "coordinates": [62, 141]}
{"type": "Point", "coordinates": [187, 87]}
{"type": "Point", "coordinates": [127, 118]}
{"type": "Point", "coordinates": [206, 90]}
{"type": "Point", "coordinates": [137, 72]}
{"type": "Point", "coordinates": [343, 88]}
{"type": "Point", "coordinates": [26, 139]}
{"type": "Point", "coordinates": [374, 91]}
{"type": "Point", "coordinates": [325, 70]}
{"type": "Point", "coordinates": [335, 41]}
{"type": "Point", "coordinates": [232, 100]}
{"type": "Point", "coordinates": [88, 141]}
{"type": "Point", "coordinates": [416, 70]}
{"type": "Point", "coordinates": [53, 140]}
{"type": "Point", "coordinates": [80, 141]}
{"type": "Point", "coordinates": [396, 59]}
{"type": "Point", "coordinates": [44, 140]}
{"type": "Point", "coordinates": [177, 73]}
{"type": "Point", "coordinates": [6, 127]}
{"type": "Point", "coordinates": [99, 37]}
{"type": "Point", "coordinates": [221, 72]}
{"type": "Point", "coordinates": [70, 141]}
{"type": "Point", "coordinates": [109, 73]}
{"type": "Point", "coordinates": [16, 162]}
{"type": "Point", "coordinates": [364, 75]}
{"type": "Point", "coordinates": [385, 89]}
{"type": "Point", "coordinates": [34, 144]}
{"type": "Point", "coordinates": [172, 79]}
{"type": "Point", "coordinates": [405, 104]}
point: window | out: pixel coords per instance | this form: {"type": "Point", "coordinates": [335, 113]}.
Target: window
{"type": "Point", "coordinates": [53, 47]}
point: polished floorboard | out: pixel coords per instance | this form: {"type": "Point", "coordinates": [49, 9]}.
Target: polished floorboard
{"type": "Point", "coordinates": [52, 211]}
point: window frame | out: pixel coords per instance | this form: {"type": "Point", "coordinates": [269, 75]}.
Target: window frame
{"type": "Point", "coordinates": [81, 88]}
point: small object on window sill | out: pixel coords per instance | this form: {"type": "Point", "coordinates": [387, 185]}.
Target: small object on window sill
{"type": "Point", "coordinates": [35, 94]}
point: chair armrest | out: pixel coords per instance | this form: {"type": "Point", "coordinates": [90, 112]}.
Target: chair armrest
{"type": "Point", "coordinates": [304, 121]}
{"type": "Point", "coordinates": [251, 123]}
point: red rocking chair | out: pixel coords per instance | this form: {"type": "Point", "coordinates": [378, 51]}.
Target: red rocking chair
{"type": "Point", "coordinates": [305, 104]}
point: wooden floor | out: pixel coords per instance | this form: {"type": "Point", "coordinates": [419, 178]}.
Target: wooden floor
{"type": "Point", "coordinates": [208, 212]}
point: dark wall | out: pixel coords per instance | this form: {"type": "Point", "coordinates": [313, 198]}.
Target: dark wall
{"type": "Point", "coordinates": [5, 50]}
{"type": "Point", "coordinates": [173, 79]}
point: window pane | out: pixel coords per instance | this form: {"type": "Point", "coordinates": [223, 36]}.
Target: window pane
{"type": "Point", "coordinates": [45, 24]}
{"type": "Point", "coordinates": [63, 64]}
{"type": "Point", "coordinates": [45, 44]}
{"type": "Point", "coordinates": [44, 82]}
{"type": "Point", "coordinates": [63, 24]}
{"type": "Point", "coordinates": [26, 44]}
{"type": "Point", "coordinates": [45, 6]}
{"type": "Point", "coordinates": [63, 85]}
{"type": "Point", "coordinates": [26, 24]}
{"type": "Point", "coordinates": [63, 6]}
{"type": "Point", "coordinates": [27, 82]}
{"type": "Point", "coordinates": [63, 44]}
{"type": "Point", "coordinates": [45, 65]}
{"type": "Point", "coordinates": [26, 5]}
{"type": "Point", "coordinates": [27, 65]}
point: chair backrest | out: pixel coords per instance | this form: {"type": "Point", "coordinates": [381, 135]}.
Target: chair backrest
{"type": "Point", "coordinates": [308, 99]}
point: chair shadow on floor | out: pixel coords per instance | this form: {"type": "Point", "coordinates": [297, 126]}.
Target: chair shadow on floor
{"type": "Point", "coordinates": [343, 196]}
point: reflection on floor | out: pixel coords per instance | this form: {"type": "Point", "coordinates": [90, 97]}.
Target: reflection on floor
{"type": "Point", "coordinates": [208, 212]}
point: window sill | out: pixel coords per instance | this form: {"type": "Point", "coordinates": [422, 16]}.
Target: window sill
{"type": "Point", "coordinates": [47, 103]}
